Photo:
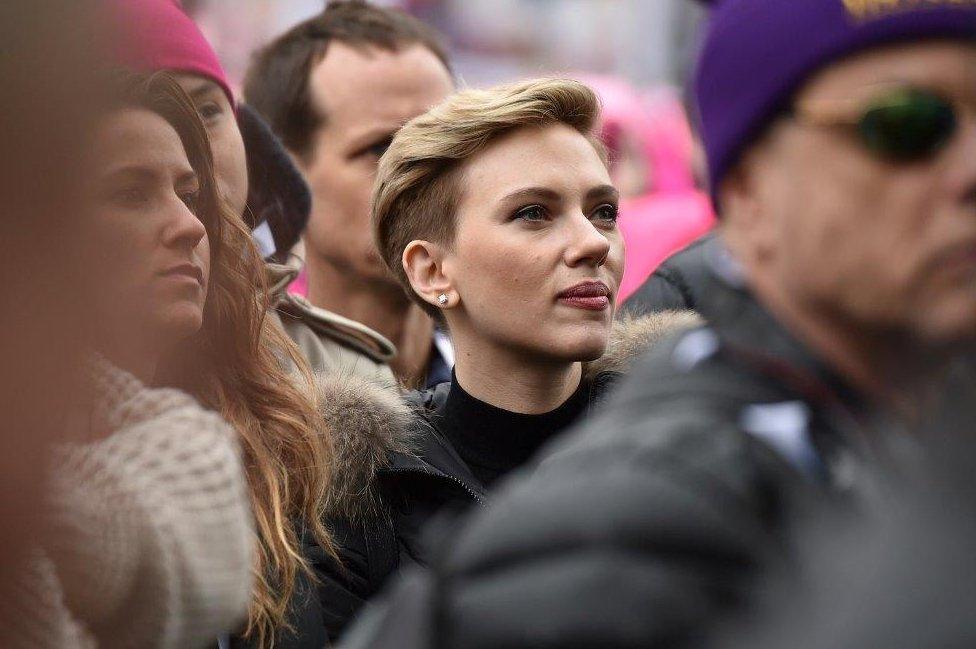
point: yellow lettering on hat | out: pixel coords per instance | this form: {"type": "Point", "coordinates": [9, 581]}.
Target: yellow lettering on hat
{"type": "Point", "coordinates": [867, 9]}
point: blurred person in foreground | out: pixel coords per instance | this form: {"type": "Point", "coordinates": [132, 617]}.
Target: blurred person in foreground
{"type": "Point", "coordinates": [843, 290]}
{"type": "Point", "coordinates": [899, 578]}
{"type": "Point", "coordinates": [40, 161]}
{"type": "Point", "coordinates": [148, 478]}
{"type": "Point", "coordinates": [335, 88]}
{"type": "Point", "coordinates": [254, 172]}
{"type": "Point", "coordinates": [496, 212]}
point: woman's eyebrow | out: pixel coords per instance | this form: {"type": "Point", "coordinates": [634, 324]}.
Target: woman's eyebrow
{"type": "Point", "coordinates": [530, 193]}
{"type": "Point", "coordinates": [202, 89]}
{"type": "Point", "coordinates": [145, 174]}
{"type": "Point", "coordinates": [604, 192]}
{"type": "Point", "coordinates": [130, 172]}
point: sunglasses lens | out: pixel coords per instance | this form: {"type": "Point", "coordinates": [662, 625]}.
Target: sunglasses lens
{"type": "Point", "coordinates": [909, 126]}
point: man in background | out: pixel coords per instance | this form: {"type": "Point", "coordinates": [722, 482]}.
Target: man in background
{"type": "Point", "coordinates": [335, 89]}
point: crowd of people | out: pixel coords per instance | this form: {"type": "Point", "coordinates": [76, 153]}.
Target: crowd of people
{"type": "Point", "coordinates": [472, 428]}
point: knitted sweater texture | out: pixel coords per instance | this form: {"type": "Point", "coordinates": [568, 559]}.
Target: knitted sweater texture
{"type": "Point", "coordinates": [150, 540]}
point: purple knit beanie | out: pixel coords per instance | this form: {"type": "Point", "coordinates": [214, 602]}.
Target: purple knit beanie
{"type": "Point", "coordinates": [757, 54]}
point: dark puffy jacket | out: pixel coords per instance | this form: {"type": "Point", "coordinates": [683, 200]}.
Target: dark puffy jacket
{"type": "Point", "coordinates": [397, 474]}
{"type": "Point", "coordinates": [678, 282]}
{"type": "Point", "coordinates": [900, 578]}
{"type": "Point", "coordinates": [654, 521]}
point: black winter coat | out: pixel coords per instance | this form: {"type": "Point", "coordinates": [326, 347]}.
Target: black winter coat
{"type": "Point", "coordinates": [678, 282]}
{"type": "Point", "coordinates": [655, 521]}
{"type": "Point", "coordinates": [400, 482]}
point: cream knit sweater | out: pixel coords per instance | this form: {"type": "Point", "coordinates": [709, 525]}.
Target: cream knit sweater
{"type": "Point", "coordinates": [150, 542]}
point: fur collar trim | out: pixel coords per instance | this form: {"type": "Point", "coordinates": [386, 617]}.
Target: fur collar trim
{"type": "Point", "coordinates": [632, 336]}
{"type": "Point", "coordinates": [370, 422]}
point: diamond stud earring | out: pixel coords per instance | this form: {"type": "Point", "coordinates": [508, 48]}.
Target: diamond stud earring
{"type": "Point", "coordinates": [442, 299]}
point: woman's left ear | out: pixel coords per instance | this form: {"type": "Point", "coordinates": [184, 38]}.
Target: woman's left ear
{"type": "Point", "coordinates": [423, 263]}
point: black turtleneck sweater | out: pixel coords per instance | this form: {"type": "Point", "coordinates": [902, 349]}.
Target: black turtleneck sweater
{"type": "Point", "coordinates": [492, 441]}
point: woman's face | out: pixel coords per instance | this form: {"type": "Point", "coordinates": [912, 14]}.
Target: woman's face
{"type": "Point", "coordinates": [226, 142]}
{"type": "Point", "coordinates": [537, 257]}
{"type": "Point", "coordinates": [156, 252]}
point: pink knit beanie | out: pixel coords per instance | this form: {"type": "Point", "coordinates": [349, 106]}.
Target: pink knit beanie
{"type": "Point", "coordinates": [158, 35]}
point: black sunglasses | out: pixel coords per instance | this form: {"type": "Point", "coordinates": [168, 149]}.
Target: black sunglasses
{"type": "Point", "coordinates": [904, 125]}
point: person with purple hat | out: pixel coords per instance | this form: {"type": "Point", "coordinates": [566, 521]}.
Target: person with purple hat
{"type": "Point", "coordinates": [841, 142]}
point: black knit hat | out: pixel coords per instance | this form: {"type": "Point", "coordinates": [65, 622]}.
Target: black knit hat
{"type": "Point", "coordinates": [277, 192]}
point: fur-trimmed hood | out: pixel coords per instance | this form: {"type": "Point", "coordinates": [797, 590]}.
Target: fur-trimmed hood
{"type": "Point", "coordinates": [370, 423]}
{"type": "Point", "coordinates": [632, 336]}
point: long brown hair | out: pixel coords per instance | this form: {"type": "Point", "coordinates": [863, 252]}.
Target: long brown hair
{"type": "Point", "coordinates": [243, 365]}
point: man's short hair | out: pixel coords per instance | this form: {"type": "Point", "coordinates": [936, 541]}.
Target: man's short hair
{"type": "Point", "coordinates": [418, 184]}
{"type": "Point", "coordinates": [277, 83]}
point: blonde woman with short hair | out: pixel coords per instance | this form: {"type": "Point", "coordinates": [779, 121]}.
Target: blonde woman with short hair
{"type": "Point", "coordinates": [496, 213]}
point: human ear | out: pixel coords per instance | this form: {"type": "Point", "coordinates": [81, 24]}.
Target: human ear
{"type": "Point", "coordinates": [423, 263]}
{"type": "Point", "coordinates": [747, 218]}
{"type": "Point", "coordinates": [735, 200]}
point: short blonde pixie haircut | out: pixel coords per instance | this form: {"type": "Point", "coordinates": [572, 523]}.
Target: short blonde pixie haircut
{"type": "Point", "coordinates": [418, 184]}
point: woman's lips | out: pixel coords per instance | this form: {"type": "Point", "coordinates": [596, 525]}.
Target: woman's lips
{"type": "Point", "coordinates": [185, 272]}
{"type": "Point", "coordinates": [590, 296]}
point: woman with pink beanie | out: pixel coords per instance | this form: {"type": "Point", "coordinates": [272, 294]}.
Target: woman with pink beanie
{"type": "Point", "coordinates": [288, 486]}
{"type": "Point", "coordinates": [157, 35]}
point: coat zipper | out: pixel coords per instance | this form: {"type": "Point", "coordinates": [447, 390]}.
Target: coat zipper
{"type": "Point", "coordinates": [446, 476]}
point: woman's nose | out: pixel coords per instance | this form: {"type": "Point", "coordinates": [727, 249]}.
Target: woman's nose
{"type": "Point", "coordinates": [184, 229]}
{"type": "Point", "coordinates": [587, 245]}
